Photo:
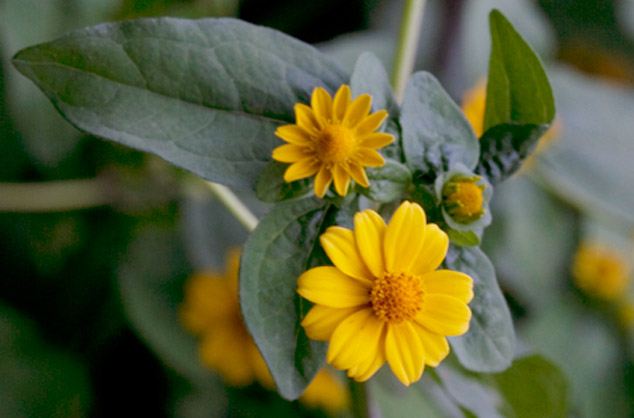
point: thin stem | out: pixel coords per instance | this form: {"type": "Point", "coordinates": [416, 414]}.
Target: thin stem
{"type": "Point", "coordinates": [360, 406]}
{"type": "Point", "coordinates": [235, 205]}
{"type": "Point", "coordinates": [408, 41]}
{"type": "Point", "coordinates": [52, 196]}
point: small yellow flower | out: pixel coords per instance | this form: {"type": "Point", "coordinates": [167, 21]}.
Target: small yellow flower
{"type": "Point", "coordinates": [211, 311]}
{"type": "Point", "coordinates": [463, 199]}
{"type": "Point", "coordinates": [384, 300]}
{"type": "Point", "coordinates": [334, 139]}
{"type": "Point", "coordinates": [600, 271]}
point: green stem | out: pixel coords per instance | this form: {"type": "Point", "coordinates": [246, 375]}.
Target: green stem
{"type": "Point", "coordinates": [52, 196]}
{"type": "Point", "coordinates": [408, 41]}
{"type": "Point", "coordinates": [359, 394]}
{"type": "Point", "coordinates": [235, 206]}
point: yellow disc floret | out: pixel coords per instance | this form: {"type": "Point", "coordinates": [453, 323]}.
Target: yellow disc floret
{"type": "Point", "coordinates": [463, 200]}
{"type": "Point", "coordinates": [335, 144]}
{"type": "Point", "coordinates": [396, 297]}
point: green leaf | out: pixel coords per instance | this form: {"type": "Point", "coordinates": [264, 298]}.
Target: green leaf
{"type": "Point", "coordinates": [271, 186]}
{"type": "Point", "coordinates": [369, 76]}
{"type": "Point", "coordinates": [489, 344]}
{"type": "Point", "coordinates": [205, 95]}
{"type": "Point", "coordinates": [463, 238]}
{"type": "Point", "coordinates": [436, 134]}
{"type": "Point", "coordinates": [519, 106]}
{"type": "Point", "coordinates": [282, 247]}
{"type": "Point", "coordinates": [387, 183]}
{"type": "Point", "coordinates": [518, 89]}
{"type": "Point", "coordinates": [533, 388]}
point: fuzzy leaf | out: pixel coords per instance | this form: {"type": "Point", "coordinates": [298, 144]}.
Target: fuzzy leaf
{"type": "Point", "coordinates": [489, 344]}
{"type": "Point", "coordinates": [271, 186]}
{"type": "Point", "coordinates": [282, 247]}
{"type": "Point", "coordinates": [388, 182]}
{"type": "Point", "coordinates": [436, 134]}
{"type": "Point", "coordinates": [205, 95]}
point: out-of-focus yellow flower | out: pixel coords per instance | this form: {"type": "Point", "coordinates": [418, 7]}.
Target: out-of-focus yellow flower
{"type": "Point", "coordinates": [600, 271]}
{"type": "Point", "coordinates": [334, 139]}
{"type": "Point", "coordinates": [384, 300]}
{"type": "Point", "coordinates": [326, 391]}
{"type": "Point", "coordinates": [211, 311]}
{"type": "Point", "coordinates": [474, 105]}
{"type": "Point", "coordinates": [626, 313]}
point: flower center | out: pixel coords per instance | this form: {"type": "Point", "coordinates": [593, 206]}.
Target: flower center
{"type": "Point", "coordinates": [335, 144]}
{"type": "Point", "coordinates": [469, 197]}
{"type": "Point", "coordinates": [396, 297]}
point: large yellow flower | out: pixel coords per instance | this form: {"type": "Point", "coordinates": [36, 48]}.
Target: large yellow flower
{"type": "Point", "coordinates": [334, 139]}
{"type": "Point", "coordinates": [384, 300]}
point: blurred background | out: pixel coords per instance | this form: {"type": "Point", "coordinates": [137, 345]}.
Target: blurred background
{"type": "Point", "coordinates": [98, 242]}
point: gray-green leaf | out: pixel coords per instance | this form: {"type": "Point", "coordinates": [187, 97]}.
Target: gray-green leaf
{"type": "Point", "coordinates": [436, 134]}
{"type": "Point", "coordinates": [388, 182]}
{"type": "Point", "coordinates": [205, 95]}
{"type": "Point", "coordinates": [280, 249]}
{"type": "Point", "coordinates": [489, 344]}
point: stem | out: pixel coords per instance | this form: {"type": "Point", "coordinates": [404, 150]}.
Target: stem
{"type": "Point", "coordinates": [408, 41]}
{"type": "Point", "coordinates": [235, 205]}
{"type": "Point", "coordinates": [360, 406]}
{"type": "Point", "coordinates": [52, 196]}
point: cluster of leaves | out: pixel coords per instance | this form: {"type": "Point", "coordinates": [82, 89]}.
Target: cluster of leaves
{"type": "Point", "coordinates": [207, 95]}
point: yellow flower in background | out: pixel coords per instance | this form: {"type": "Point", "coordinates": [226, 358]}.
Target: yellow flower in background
{"type": "Point", "coordinates": [384, 300]}
{"type": "Point", "coordinates": [600, 271]}
{"type": "Point", "coordinates": [211, 311]}
{"type": "Point", "coordinates": [334, 140]}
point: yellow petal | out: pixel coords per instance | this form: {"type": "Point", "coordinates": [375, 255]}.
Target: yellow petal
{"type": "Point", "coordinates": [301, 169]}
{"type": "Point", "coordinates": [321, 102]}
{"type": "Point", "coordinates": [444, 315]}
{"type": "Point", "coordinates": [404, 352]}
{"type": "Point", "coordinates": [358, 110]}
{"type": "Point", "coordinates": [371, 123]}
{"type": "Point", "coordinates": [320, 322]}
{"type": "Point", "coordinates": [369, 157]}
{"type": "Point", "coordinates": [436, 346]}
{"type": "Point", "coordinates": [339, 243]}
{"type": "Point", "coordinates": [434, 250]}
{"type": "Point", "coordinates": [305, 118]}
{"type": "Point", "coordinates": [369, 232]}
{"type": "Point", "coordinates": [289, 153]}
{"type": "Point", "coordinates": [358, 174]}
{"type": "Point", "coordinates": [376, 140]}
{"type": "Point", "coordinates": [404, 237]}
{"type": "Point", "coordinates": [322, 181]}
{"type": "Point", "coordinates": [327, 286]}
{"type": "Point", "coordinates": [365, 371]}
{"type": "Point", "coordinates": [341, 103]}
{"type": "Point", "coordinates": [294, 134]}
{"type": "Point", "coordinates": [342, 179]}
{"type": "Point", "coordinates": [450, 283]}
{"type": "Point", "coordinates": [355, 340]}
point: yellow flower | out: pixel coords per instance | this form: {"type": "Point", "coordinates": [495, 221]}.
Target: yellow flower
{"type": "Point", "coordinates": [384, 300]}
{"type": "Point", "coordinates": [334, 139]}
{"type": "Point", "coordinates": [211, 311]}
{"type": "Point", "coordinates": [326, 391]}
{"type": "Point", "coordinates": [463, 199]}
{"type": "Point", "coordinates": [600, 271]}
